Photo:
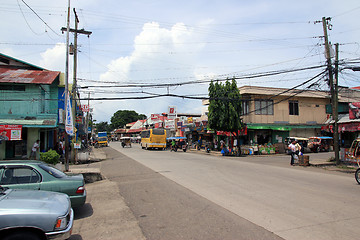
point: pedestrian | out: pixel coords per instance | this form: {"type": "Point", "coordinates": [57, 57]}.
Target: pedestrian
{"type": "Point", "coordinates": [292, 149]}
{"type": "Point", "coordinates": [297, 148]}
{"type": "Point", "coordinates": [172, 145]}
{"type": "Point", "coordinates": [34, 149]}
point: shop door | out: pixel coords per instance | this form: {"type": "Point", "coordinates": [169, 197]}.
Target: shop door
{"type": "Point", "coordinates": [10, 150]}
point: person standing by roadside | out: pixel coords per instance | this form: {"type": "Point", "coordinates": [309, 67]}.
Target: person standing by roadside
{"type": "Point", "coordinates": [292, 149]}
{"type": "Point", "coordinates": [297, 148]}
{"type": "Point", "coordinates": [34, 149]}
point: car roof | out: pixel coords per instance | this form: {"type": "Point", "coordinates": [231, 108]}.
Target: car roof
{"type": "Point", "coordinates": [33, 162]}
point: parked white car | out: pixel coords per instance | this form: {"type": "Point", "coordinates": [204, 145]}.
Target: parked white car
{"type": "Point", "coordinates": [34, 215]}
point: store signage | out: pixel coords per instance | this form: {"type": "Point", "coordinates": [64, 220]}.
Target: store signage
{"type": "Point", "coordinates": [85, 108]}
{"type": "Point", "coordinates": [10, 132]}
{"type": "Point", "coordinates": [354, 110]}
{"type": "Point", "coordinates": [155, 117]}
{"type": "Point", "coordinates": [172, 112]}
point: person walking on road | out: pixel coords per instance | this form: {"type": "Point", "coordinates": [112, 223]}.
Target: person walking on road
{"type": "Point", "coordinates": [34, 149]}
{"type": "Point", "coordinates": [292, 149]}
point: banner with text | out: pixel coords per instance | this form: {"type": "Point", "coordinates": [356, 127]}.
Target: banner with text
{"type": "Point", "coordinates": [10, 132]}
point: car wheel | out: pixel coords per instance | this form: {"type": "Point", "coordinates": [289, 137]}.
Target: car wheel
{"type": "Point", "coordinates": [357, 175]}
{"type": "Point", "coordinates": [22, 235]}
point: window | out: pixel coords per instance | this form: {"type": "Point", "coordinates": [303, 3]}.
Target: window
{"type": "Point", "coordinates": [52, 171]}
{"type": "Point", "coordinates": [264, 107]}
{"type": "Point", "coordinates": [293, 108]}
{"type": "Point", "coordinates": [145, 134]}
{"type": "Point", "coordinates": [19, 175]}
{"type": "Point", "coordinates": [42, 101]}
{"type": "Point", "coordinates": [20, 88]}
{"type": "Point", "coordinates": [158, 131]}
{"type": "Point", "coordinates": [245, 107]}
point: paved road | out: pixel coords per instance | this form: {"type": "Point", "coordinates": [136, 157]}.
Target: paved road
{"type": "Point", "coordinates": [166, 210]}
{"type": "Point", "coordinates": [292, 202]}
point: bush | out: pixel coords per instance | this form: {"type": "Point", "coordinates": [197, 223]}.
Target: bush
{"type": "Point", "coordinates": [50, 157]}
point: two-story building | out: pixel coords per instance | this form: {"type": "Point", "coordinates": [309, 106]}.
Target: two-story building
{"type": "Point", "coordinates": [28, 107]}
{"type": "Point", "coordinates": [272, 114]}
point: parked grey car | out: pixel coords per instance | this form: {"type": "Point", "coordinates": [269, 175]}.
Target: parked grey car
{"type": "Point", "coordinates": [34, 215]}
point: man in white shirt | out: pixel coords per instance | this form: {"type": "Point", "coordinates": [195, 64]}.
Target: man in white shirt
{"type": "Point", "coordinates": [292, 149]}
{"type": "Point", "coordinates": [34, 149]}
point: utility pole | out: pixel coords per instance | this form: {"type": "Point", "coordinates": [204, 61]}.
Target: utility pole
{"type": "Point", "coordinates": [333, 91]}
{"type": "Point", "coordinates": [336, 105]}
{"type": "Point", "coordinates": [67, 89]}
{"type": "Point", "coordinates": [87, 120]}
{"type": "Point", "coordinates": [76, 31]}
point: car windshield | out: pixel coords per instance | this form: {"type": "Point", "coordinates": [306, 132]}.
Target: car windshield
{"type": "Point", "coordinates": [52, 171]}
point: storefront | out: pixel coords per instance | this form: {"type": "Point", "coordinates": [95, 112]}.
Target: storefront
{"type": "Point", "coordinates": [21, 135]}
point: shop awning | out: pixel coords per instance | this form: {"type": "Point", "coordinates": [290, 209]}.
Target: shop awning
{"type": "Point", "coordinates": [34, 123]}
{"type": "Point", "coordinates": [280, 127]}
{"type": "Point", "coordinates": [267, 127]}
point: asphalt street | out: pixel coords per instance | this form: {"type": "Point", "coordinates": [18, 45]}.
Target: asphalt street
{"type": "Point", "coordinates": [193, 196]}
{"type": "Point", "coordinates": [167, 210]}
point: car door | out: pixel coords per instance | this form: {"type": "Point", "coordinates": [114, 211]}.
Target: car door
{"type": "Point", "coordinates": [20, 177]}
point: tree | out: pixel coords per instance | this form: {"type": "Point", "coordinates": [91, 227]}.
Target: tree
{"type": "Point", "coordinates": [123, 117]}
{"type": "Point", "coordinates": [225, 108]}
{"type": "Point", "coordinates": [103, 127]}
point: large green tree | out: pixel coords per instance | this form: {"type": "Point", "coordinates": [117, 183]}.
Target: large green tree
{"type": "Point", "coordinates": [103, 127]}
{"type": "Point", "coordinates": [123, 117]}
{"type": "Point", "coordinates": [225, 107]}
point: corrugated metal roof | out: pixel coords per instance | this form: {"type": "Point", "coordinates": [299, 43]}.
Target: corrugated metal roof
{"type": "Point", "coordinates": [27, 76]}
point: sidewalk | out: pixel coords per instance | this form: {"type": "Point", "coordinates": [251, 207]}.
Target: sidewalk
{"type": "Point", "coordinates": [105, 215]}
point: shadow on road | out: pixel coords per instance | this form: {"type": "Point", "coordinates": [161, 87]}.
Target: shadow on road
{"type": "Point", "coordinates": [75, 237]}
{"type": "Point", "coordinates": [84, 211]}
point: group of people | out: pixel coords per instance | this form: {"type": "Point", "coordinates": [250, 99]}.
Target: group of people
{"type": "Point", "coordinates": [295, 151]}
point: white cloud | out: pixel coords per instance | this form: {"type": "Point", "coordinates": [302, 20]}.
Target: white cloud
{"type": "Point", "coordinates": [54, 58]}
{"type": "Point", "coordinates": [158, 57]}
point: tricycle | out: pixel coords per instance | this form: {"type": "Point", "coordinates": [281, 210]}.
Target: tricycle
{"type": "Point", "coordinates": [125, 141]}
{"type": "Point", "coordinates": [354, 154]}
{"type": "Point", "coordinates": [320, 144]}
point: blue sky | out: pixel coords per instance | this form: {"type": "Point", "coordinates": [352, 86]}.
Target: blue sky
{"type": "Point", "coordinates": [161, 42]}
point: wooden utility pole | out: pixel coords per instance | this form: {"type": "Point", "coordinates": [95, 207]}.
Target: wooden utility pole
{"type": "Point", "coordinates": [333, 91]}
{"type": "Point", "coordinates": [67, 89]}
{"type": "Point", "coordinates": [74, 84]}
{"type": "Point", "coordinates": [336, 105]}
{"type": "Point", "coordinates": [87, 120]}
{"type": "Point", "coordinates": [76, 32]}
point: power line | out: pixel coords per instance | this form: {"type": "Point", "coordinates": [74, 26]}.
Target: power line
{"type": "Point", "coordinates": [40, 18]}
{"type": "Point", "coordinates": [249, 76]}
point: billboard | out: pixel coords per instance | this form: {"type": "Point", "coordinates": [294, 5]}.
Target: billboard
{"type": "Point", "coordinates": [10, 132]}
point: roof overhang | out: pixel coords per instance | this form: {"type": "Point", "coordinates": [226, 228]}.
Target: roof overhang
{"type": "Point", "coordinates": [37, 123]}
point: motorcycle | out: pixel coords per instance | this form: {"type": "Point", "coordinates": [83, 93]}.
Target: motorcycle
{"type": "Point", "coordinates": [174, 148]}
{"type": "Point", "coordinates": [207, 149]}
{"type": "Point", "coordinates": [184, 147]}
